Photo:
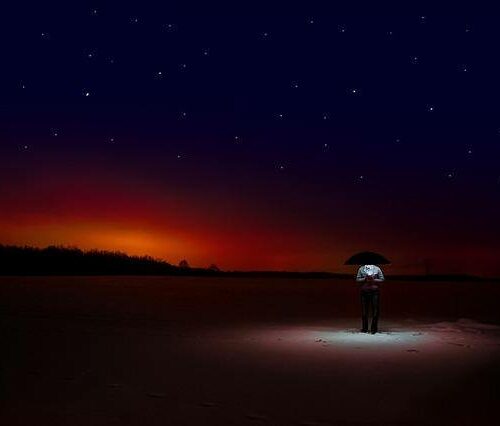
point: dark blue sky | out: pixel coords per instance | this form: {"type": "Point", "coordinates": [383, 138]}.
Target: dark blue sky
{"type": "Point", "coordinates": [319, 128]}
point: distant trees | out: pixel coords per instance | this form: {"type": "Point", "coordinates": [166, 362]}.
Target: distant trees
{"type": "Point", "coordinates": [184, 264]}
{"type": "Point", "coordinates": [57, 260]}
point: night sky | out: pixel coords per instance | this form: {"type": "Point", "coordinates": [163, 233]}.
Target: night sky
{"type": "Point", "coordinates": [272, 139]}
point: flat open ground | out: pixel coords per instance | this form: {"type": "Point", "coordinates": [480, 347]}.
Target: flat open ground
{"type": "Point", "coordinates": [245, 351]}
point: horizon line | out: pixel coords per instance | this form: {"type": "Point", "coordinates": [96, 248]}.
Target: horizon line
{"type": "Point", "coordinates": [238, 271]}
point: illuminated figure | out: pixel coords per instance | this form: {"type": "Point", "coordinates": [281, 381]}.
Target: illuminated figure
{"type": "Point", "coordinates": [369, 277]}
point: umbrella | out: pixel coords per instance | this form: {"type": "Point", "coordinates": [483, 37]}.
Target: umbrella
{"type": "Point", "coordinates": [367, 258]}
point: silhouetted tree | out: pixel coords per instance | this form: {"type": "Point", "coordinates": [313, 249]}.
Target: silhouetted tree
{"type": "Point", "coordinates": [184, 264]}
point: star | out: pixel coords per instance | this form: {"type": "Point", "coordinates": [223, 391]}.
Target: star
{"type": "Point", "coordinates": [463, 68]}
{"type": "Point", "coordinates": [237, 139]}
{"type": "Point", "coordinates": [182, 67]}
{"type": "Point", "coordinates": [281, 167]}
{"type": "Point", "coordinates": [414, 60]}
{"type": "Point", "coordinates": [325, 116]}
{"type": "Point", "coordinates": [423, 19]}
{"type": "Point", "coordinates": [179, 156]}
{"type": "Point", "coordinates": [280, 115]}
{"type": "Point", "coordinates": [430, 108]}
{"type": "Point", "coordinates": [86, 93]}
{"type": "Point", "coordinates": [341, 28]}
{"type": "Point", "coordinates": [94, 12]}
{"type": "Point", "coordinates": [112, 139]}
{"type": "Point", "coordinates": [397, 140]}
{"type": "Point", "coordinates": [134, 20]}
{"type": "Point", "coordinates": [23, 86]}
{"type": "Point", "coordinates": [206, 52]}
{"type": "Point", "coordinates": [310, 21]}
{"type": "Point", "coordinates": [25, 147]}
{"type": "Point", "coordinates": [450, 175]}
{"type": "Point", "coordinates": [170, 27]}
{"type": "Point", "coordinates": [183, 115]}
{"type": "Point", "coordinates": [295, 84]}
{"type": "Point", "coordinates": [325, 147]}
{"type": "Point", "coordinates": [264, 35]}
{"type": "Point", "coordinates": [45, 36]}
{"type": "Point", "coordinates": [54, 132]}
{"type": "Point", "coordinates": [159, 75]}
{"type": "Point", "coordinates": [354, 91]}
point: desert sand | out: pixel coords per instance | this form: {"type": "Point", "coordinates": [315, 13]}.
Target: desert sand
{"type": "Point", "coordinates": [245, 351]}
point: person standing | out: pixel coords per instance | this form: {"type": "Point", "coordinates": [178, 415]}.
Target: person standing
{"type": "Point", "coordinates": [369, 277]}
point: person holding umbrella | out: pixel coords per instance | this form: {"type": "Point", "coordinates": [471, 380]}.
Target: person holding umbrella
{"type": "Point", "coordinates": [369, 277]}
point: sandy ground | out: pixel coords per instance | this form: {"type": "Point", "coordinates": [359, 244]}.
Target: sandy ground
{"type": "Point", "coordinates": [200, 351]}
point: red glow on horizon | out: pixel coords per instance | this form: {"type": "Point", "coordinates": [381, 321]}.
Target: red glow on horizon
{"type": "Point", "coordinates": [105, 211]}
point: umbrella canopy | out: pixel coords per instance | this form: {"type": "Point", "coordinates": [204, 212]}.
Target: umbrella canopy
{"type": "Point", "coordinates": [367, 258]}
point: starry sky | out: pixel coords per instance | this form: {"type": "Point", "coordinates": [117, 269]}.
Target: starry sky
{"type": "Point", "coordinates": [264, 139]}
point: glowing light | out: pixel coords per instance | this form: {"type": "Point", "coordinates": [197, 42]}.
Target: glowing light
{"type": "Point", "coordinates": [322, 340]}
{"type": "Point", "coordinates": [386, 338]}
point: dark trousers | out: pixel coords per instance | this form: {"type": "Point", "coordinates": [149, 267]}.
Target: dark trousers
{"type": "Point", "coordinates": [370, 300]}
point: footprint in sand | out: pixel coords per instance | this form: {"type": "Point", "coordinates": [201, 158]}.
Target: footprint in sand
{"type": "Point", "coordinates": [257, 417]}
{"type": "Point", "coordinates": [114, 385]}
{"type": "Point", "coordinates": [156, 395]}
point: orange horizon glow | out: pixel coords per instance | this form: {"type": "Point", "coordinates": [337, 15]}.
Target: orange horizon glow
{"type": "Point", "coordinates": [232, 253]}
{"type": "Point", "coordinates": [102, 211]}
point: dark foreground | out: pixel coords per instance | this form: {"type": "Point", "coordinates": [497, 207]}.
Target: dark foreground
{"type": "Point", "coordinates": [245, 351]}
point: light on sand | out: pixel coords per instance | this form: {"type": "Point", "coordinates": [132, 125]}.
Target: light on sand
{"type": "Point", "coordinates": [302, 339]}
{"type": "Point", "coordinates": [382, 338]}
{"type": "Point", "coordinates": [348, 337]}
